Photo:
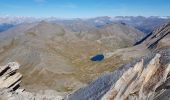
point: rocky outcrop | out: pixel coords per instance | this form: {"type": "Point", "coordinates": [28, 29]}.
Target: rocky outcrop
{"type": "Point", "coordinates": [152, 39]}
{"type": "Point", "coordinates": [10, 89]}
{"type": "Point", "coordinates": [9, 78]}
{"type": "Point", "coordinates": [139, 83]}
{"type": "Point", "coordinates": [158, 35]}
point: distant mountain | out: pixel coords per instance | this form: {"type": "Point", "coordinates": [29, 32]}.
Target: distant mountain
{"type": "Point", "coordinates": [18, 19]}
{"type": "Point", "coordinates": [115, 35]}
{"type": "Point", "coordinates": [144, 24]}
{"type": "Point", "coordinates": [10, 22]}
{"type": "Point", "coordinates": [81, 25]}
{"type": "Point", "coordinates": [4, 27]}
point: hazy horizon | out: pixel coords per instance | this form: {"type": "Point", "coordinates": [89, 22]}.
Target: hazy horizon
{"type": "Point", "coordinates": [55, 17]}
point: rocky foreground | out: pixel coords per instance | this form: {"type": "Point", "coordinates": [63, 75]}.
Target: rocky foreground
{"type": "Point", "coordinates": [139, 82]}
{"type": "Point", "coordinates": [10, 89]}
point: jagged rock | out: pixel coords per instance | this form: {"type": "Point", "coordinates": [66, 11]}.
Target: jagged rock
{"type": "Point", "coordinates": [156, 36]}
{"type": "Point", "coordinates": [139, 83]}
{"type": "Point", "coordinates": [9, 86]}
{"type": "Point", "coordinates": [124, 81]}
{"type": "Point", "coordinates": [8, 77]}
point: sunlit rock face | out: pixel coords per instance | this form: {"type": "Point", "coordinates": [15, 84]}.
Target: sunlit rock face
{"type": "Point", "coordinates": [139, 82]}
{"type": "Point", "coordinates": [8, 76]}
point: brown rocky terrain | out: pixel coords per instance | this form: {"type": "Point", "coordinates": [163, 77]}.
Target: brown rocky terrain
{"type": "Point", "coordinates": [140, 72]}
{"type": "Point", "coordinates": [52, 57]}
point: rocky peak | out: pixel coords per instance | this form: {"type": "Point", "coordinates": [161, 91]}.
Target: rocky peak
{"type": "Point", "coordinates": [43, 22]}
{"type": "Point", "coordinates": [152, 39]}
{"type": "Point", "coordinates": [47, 29]}
{"type": "Point", "coordinates": [158, 34]}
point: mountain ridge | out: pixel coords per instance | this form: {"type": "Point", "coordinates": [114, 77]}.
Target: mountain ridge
{"type": "Point", "coordinates": [144, 24]}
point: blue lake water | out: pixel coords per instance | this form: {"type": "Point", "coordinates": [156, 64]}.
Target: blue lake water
{"type": "Point", "coordinates": [98, 57]}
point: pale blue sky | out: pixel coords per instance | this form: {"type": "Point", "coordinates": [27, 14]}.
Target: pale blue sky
{"type": "Point", "coordinates": [84, 8]}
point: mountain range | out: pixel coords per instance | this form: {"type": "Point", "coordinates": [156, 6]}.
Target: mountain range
{"type": "Point", "coordinates": [45, 49]}
{"type": "Point", "coordinates": [144, 24]}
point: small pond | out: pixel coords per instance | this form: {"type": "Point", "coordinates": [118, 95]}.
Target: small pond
{"type": "Point", "coordinates": [98, 57]}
